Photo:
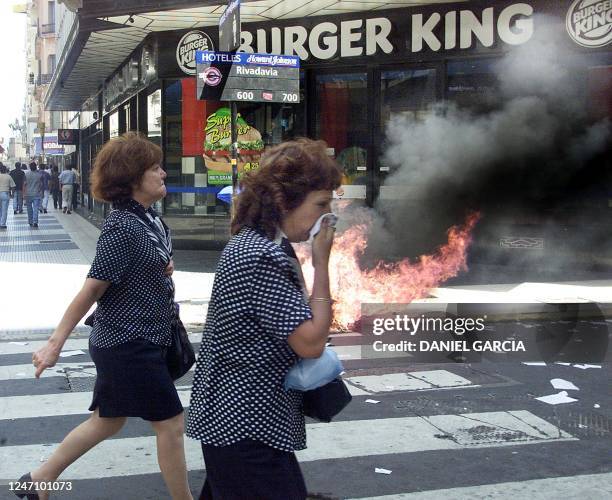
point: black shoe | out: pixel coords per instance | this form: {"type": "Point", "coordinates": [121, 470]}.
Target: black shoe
{"type": "Point", "coordinates": [20, 211]}
{"type": "Point", "coordinates": [35, 225]}
{"type": "Point", "coordinates": [14, 212]}
{"type": "Point", "coordinates": [30, 494]}
{"type": "Point", "coordinates": [64, 209]}
{"type": "Point", "coordinates": [2, 227]}
{"type": "Point", "coordinates": [44, 211]}
{"type": "Point", "coordinates": [68, 212]}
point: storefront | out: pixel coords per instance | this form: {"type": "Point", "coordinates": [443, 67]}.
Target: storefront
{"type": "Point", "coordinates": [358, 69]}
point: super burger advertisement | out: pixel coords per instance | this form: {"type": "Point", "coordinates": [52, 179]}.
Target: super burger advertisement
{"type": "Point", "coordinates": [217, 152]}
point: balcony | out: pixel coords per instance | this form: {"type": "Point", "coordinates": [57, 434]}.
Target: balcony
{"type": "Point", "coordinates": [47, 29]}
{"type": "Point", "coordinates": [44, 79]}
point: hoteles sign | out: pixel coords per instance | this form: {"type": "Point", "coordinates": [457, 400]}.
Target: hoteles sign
{"type": "Point", "coordinates": [229, 76]}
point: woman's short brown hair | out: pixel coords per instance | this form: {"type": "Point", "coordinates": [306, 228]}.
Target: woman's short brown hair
{"type": "Point", "coordinates": [287, 174]}
{"type": "Point", "coordinates": [121, 164]}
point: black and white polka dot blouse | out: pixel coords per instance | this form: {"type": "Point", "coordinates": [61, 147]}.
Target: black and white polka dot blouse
{"type": "Point", "coordinates": [137, 302]}
{"type": "Point", "coordinates": [238, 392]}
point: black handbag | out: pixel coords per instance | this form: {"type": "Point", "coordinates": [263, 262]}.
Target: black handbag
{"type": "Point", "coordinates": [180, 356]}
{"type": "Point", "coordinates": [325, 402]}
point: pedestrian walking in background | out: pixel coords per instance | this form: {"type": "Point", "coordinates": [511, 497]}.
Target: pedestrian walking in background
{"type": "Point", "coordinates": [54, 187]}
{"type": "Point", "coordinates": [18, 176]}
{"type": "Point", "coordinates": [259, 322]}
{"type": "Point", "coordinates": [67, 180]}
{"type": "Point", "coordinates": [130, 278]}
{"type": "Point", "coordinates": [45, 186]}
{"type": "Point", "coordinates": [33, 191]}
{"type": "Point", "coordinates": [7, 184]}
{"type": "Point", "coordinates": [75, 189]}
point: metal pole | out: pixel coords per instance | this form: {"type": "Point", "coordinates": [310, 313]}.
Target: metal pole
{"type": "Point", "coordinates": [234, 151]}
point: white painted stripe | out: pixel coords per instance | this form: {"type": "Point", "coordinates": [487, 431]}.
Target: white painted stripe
{"type": "Point", "coordinates": [25, 372]}
{"type": "Point", "coordinates": [47, 405]}
{"type": "Point", "coordinates": [585, 486]}
{"type": "Point", "coordinates": [70, 345]}
{"type": "Point", "coordinates": [412, 381]}
{"type": "Point", "coordinates": [128, 456]}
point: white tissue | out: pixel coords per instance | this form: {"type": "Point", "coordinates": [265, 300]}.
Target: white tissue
{"type": "Point", "coordinates": [333, 218]}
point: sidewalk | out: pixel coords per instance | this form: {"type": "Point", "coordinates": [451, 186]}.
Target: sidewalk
{"type": "Point", "coordinates": [43, 269]}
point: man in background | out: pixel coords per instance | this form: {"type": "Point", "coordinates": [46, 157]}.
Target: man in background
{"type": "Point", "coordinates": [18, 176]}
{"type": "Point", "coordinates": [45, 187]}
{"type": "Point", "coordinates": [33, 193]}
{"type": "Point", "coordinates": [67, 179]}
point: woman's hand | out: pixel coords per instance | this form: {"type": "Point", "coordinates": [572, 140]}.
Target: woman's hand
{"type": "Point", "coordinates": [169, 268]}
{"type": "Point", "coordinates": [322, 244]}
{"type": "Point", "coordinates": [45, 357]}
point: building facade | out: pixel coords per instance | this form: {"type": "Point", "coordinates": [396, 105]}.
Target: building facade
{"type": "Point", "coordinates": [359, 68]}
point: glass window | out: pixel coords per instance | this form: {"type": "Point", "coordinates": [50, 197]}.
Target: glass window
{"type": "Point", "coordinates": [405, 92]}
{"type": "Point", "coordinates": [154, 117]}
{"type": "Point", "coordinates": [473, 84]}
{"type": "Point", "coordinates": [113, 124]}
{"type": "Point", "coordinates": [341, 121]}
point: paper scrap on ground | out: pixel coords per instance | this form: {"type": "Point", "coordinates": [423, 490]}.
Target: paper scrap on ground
{"type": "Point", "coordinates": [379, 470]}
{"type": "Point", "coordinates": [372, 401]}
{"type": "Point", "coordinates": [555, 399]}
{"type": "Point", "coordinates": [534, 363]}
{"type": "Point", "coordinates": [586, 366]}
{"type": "Point", "coordinates": [67, 354]}
{"type": "Point", "coordinates": [559, 383]}
{"type": "Point", "coordinates": [596, 406]}
{"type": "Point", "coordinates": [18, 343]}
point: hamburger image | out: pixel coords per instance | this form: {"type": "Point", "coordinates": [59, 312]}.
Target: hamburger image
{"type": "Point", "coordinates": [217, 146]}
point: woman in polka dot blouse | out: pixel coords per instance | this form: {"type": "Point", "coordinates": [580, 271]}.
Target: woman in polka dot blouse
{"type": "Point", "coordinates": [259, 323]}
{"type": "Point", "coordinates": [130, 278]}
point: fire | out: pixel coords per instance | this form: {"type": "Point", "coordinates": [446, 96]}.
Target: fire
{"type": "Point", "coordinates": [387, 282]}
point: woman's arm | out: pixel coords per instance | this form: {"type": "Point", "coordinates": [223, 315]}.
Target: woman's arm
{"type": "Point", "coordinates": [47, 355]}
{"type": "Point", "coordinates": [308, 340]}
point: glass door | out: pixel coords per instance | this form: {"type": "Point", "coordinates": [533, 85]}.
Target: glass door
{"type": "Point", "coordinates": [407, 95]}
{"type": "Point", "coordinates": [341, 120]}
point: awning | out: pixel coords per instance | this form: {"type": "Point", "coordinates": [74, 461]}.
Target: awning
{"type": "Point", "coordinates": [99, 45]}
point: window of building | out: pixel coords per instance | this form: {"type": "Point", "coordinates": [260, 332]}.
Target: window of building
{"type": "Point", "coordinates": [51, 64]}
{"type": "Point", "coordinates": [473, 84]}
{"type": "Point", "coordinates": [113, 124]}
{"type": "Point", "coordinates": [154, 116]}
{"type": "Point", "coordinates": [341, 121]}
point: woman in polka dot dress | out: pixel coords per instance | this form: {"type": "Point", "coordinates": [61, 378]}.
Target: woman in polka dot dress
{"type": "Point", "coordinates": [259, 323]}
{"type": "Point", "coordinates": [130, 278]}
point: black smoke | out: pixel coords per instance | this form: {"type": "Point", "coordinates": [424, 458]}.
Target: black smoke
{"type": "Point", "coordinates": [536, 163]}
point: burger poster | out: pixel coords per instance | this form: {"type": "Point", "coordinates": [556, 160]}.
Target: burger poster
{"type": "Point", "coordinates": [217, 147]}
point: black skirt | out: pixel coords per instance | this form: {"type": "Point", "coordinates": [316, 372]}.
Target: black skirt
{"type": "Point", "coordinates": [251, 470]}
{"type": "Point", "coordinates": [133, 381]}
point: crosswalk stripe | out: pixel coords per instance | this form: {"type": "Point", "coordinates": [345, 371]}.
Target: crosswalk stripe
{"type": "Point", "coordinates": [582, 486]}
{"type": "Point", "coordinates": [336, 440]}
{"type": "Point", "coordinates": [72, 403]}
{"type": "Point", "coordinates": [24, 372]}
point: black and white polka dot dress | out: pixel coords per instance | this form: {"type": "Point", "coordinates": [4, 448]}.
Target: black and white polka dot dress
{"type": "Point", "coordinates": [132, 324]}
{"type": "Point", "coordinates": [238, 393]}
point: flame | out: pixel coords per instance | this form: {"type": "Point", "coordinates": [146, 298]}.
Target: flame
{"type": "Point", "coordinates": [388, 282]}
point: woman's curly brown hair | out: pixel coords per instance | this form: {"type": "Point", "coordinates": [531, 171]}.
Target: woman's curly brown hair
{"type": "Point", "coordinates": [121, 164]}
{"type": "Point", "coordinates": [287, 173]}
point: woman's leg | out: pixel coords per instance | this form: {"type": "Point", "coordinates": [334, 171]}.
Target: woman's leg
{"type": "Point", "coordinates": [80, 440]}
{"type": "Point", "coordinates": [171, 456]}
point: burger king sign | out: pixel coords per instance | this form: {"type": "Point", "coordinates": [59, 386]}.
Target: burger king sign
{"type": "Point", "coordinates": [589, 22]}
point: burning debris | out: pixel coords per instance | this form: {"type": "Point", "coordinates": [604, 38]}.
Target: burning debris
{"type": "Point", "coordinates": [387, 282]}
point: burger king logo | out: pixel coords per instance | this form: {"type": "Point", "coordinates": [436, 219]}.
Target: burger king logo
{"type": "Point", "coordinates": [589, 22]}
{"type": "Point", "coordinates": [186, 50]}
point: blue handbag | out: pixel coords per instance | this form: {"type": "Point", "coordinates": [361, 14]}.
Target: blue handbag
{"type": "Point", "coordinates": [309, 374]}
